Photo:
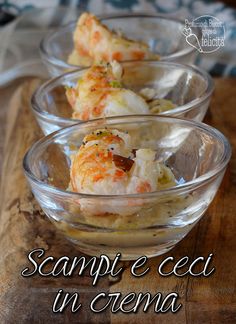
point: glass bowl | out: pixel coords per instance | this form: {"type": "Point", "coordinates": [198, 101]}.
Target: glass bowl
{"type": "Point", "coordinates": [136, 224]}
{"type": "Point", "coordinates": [163, 35]}
{"type": "Point", "coordinates": [190, 88]}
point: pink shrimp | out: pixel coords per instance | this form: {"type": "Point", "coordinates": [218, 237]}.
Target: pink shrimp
{"type": "Point", "coordinates": [94, 43]}
{"type": "Point", "coordinates": [96, 161]}
{"type": "Point", "coordinates": [100, 93]}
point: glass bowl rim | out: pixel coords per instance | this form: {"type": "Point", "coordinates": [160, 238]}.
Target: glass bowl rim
{"type": "Point", "coordinates": [38, 94]}
{"type": "Point", "coordinates": [62, 64]}
{"type": "Point", "coordinates": [195, 183]}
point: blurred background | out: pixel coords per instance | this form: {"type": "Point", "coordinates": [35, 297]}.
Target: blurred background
{"type": "Point", "coordinates": [23, 23]}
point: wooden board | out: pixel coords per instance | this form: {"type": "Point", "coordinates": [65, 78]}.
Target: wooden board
{"type": "Point", "coordinates": [24, 227]}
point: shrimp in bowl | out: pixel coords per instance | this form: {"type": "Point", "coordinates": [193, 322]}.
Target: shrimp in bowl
{"type": "Point", "coordinates": [106, 164]}
{"type": "Point", "coordinates": [100, 92]}
{"type": "Point", "coordinates": [94, 42]}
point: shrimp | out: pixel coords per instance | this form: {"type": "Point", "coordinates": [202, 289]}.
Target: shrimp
{"type": "Point", "coordinates": [94, 168]}
{"type": "Point", "coordinates": [105, 164]}
{"type": "Point", "coordinates": [100, 93]}
{"type": "Point", "coordinates": [94, 43]}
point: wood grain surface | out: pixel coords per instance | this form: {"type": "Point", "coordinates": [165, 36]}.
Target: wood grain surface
{"type": "Point", "coordinates": [23, 227]}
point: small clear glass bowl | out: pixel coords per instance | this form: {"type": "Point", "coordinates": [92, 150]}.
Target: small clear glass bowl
{"type": "Point", "coordinates": [190, 88]}
{"type": "Point", "coordinates": [163, 35]}
{"type": "Point", "coordinates": [137, 224]}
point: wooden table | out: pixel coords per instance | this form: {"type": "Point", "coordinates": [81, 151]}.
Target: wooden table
{"type": "Point", "coordinates": [23, 227]}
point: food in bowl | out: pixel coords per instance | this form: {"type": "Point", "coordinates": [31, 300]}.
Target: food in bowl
{"type": "Point", "coordinates": [133, 224]}
{"type": "Point", "coordinates": [107, 163]}
{"type": "Point", "coordinates": [100, 92]}
{"type": "Point", "coordinates": [94, 42]}
{"type": "Point", "coordinates": [163, 34]}
{"type": "Point", "coordinates": [188, 88]}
